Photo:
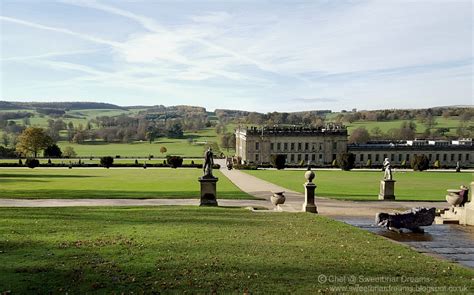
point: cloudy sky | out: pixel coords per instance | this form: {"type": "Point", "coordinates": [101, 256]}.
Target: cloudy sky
{"type": "Point", "coordinates": [252, 55]}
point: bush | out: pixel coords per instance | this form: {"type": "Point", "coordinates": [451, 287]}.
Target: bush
{"type": "Point", "coordinates": [403, 164]}
{"type": "Point", "coordinates": [420, 163]}
{"type": "Point", "coordinates": [346, 161]}
{"type": "Point", "coordinates": [278, 161]}
{"type": "Point", "coordinates": [117, 156]}
{"type": "Point", "coordinates": [20, 162]}
{"type": "Point", "coordinates": [69, 152]}
{"type": "Point", "coordinates": [136, 162]}
{"type": "Point", "coordinates": [106, 162]}
{"type": "Point", "coordinates": [247, 167]}
{"type": "Point", "coordinates": [174, 161]}
{"type": "Point", "coordinates": [7, 152]}
{"type": "Point", "coordinates": [32, 163]}
{"type": "Point", "coordinates": [369, 163]}
{"type": "Point", "coordinates": [53, 151]}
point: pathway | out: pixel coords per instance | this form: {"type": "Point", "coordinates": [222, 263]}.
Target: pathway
{"type": "Point", "coordinates": [329, 207]}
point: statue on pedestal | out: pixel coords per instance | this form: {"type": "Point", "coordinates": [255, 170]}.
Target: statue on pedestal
{"type": "Point", "coordinates": [208, 163]}
{"type": "Point", "coordinates": [388, 170]}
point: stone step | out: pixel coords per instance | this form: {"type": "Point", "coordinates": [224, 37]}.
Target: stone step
{"type": "Point", "coordinates": [441, 220]}
{"type": "Point", "coordinates": [440, 212]}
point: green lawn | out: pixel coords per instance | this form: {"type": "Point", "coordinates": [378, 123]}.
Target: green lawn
{"type": "Point", "coordinates": [362, 185]}
{"type": "Point", "coordinates": [200, 250]}
{"type": "Point", "coordinates": [110, 183]}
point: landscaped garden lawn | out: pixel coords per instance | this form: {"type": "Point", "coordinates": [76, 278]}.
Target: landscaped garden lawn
{"type": "Point", "coordinates": [110, 183]}
{"type": "Point", "coordinates": [364, 185]}
{"type": "Point", "coordinates": [201, 250]}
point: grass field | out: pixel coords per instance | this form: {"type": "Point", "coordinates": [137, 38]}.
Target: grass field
{"type": "Point", "coordinates": [362, 185]}
{"type": "Point", "coordinates": [452, 123]}
{"type": "Point", "coordinates": [200, 250]}
{"type": "Point", "coordinates": [110, 183]}
{"type": "Point", "coordinates": [174, 146]}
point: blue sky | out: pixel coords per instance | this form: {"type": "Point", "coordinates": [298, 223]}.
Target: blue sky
{"type": "Point", "coordinates": [252, 55]}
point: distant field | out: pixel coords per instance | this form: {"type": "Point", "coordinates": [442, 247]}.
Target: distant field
{"type": "Point", "coordinates": [451, 123]}
{"type": "Point", "coordinates": [110, 183]}
{"type": "Point", "coordinates": [362, 185]}
{"type": "Point", "coordinates": [174, 146]}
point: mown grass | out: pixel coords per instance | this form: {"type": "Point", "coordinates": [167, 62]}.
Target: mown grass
{"type": "Point", "coordinates": [199, 250]}
{"type": "Point", "coordinates": [110, 183]}
{"type": "Point", "coordinates": [364, 185]}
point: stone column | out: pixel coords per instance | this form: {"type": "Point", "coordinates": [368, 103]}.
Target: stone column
{"type": "Point", "coordinates": [387, 190]}
{"type": "Point", "coordinates": [309, 188]}
{"type": "Point", "coordinates": [208, 190]}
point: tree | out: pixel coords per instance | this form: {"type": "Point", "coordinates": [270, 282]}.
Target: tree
{"type": "Point", "coordinates": [359, 135]}
{"type": "Point", "coordinates": [278, 161]}
{"type": "Point", "coordinates": [5, 139]}
{"type": "Point", "coordinates": [346, 161]}
{"type": "Point", "coordinates": [163, 150]}
{"type": "Point", "coordinates": [175, 131]}
{"type": "Point", "coordinates": [174, 161]}
{"type": "Point", "coordinates": [106, 161]}
{"type": "Point", "coordinates": [32, 163]}
{"type": "Point", "coordinates": [32, 140]}
{"type": "Point", "coordinates": [228, 140]}
{"type": "Point", "coordinates": [53, 151]}
{"type": "Point", "coordinates": [69, 152]}
{"type": "Point", "coordinates": [420, 162]}
{"type": "Point", "coordinates": [376, 132]}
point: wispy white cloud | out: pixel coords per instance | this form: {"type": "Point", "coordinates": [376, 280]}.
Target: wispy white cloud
{"type": "Point", "coordinates": [49, 55]}
{"type": "Point", "coordinates": [60, 30]}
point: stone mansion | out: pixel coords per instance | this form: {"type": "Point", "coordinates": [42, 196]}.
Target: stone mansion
{"type": "Point", "coordinates": [320, 147]}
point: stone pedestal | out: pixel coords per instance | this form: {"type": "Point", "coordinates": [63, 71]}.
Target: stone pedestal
{"type": "Point", "coordinates": [387, 190]}
{"type": "Point", "coordinates": [208, 191]}
{"type": "Point", "coordinates": [309, 205]}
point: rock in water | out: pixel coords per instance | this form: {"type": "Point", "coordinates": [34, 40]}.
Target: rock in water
{"type": "Point", "coordinates": [411, 219]}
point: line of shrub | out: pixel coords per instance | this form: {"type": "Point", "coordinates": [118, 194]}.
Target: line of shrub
{"type": "Point", "coordinates": [159, 165]}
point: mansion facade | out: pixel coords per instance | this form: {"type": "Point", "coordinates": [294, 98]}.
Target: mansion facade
{"type": "Point", "coordinates": [316, 145]}
{"type": "Point", "coordinates": [320, 147]}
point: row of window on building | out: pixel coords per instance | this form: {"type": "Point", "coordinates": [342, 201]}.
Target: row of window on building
{"type": "Point", "coordinates": [406, 157]}
{"type": "Point", "coordinates": [292, 146]}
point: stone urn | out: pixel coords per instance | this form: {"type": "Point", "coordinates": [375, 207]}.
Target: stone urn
{"type": "Point", "coordinates": [309, 175]}
{"type": "Point", "coordinates": [454, 197]}
{"type": "Point", "coordinates": [278, 198]}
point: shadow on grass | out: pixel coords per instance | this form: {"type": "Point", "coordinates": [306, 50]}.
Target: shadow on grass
{"type": "Point", "coordinates": [29, 175]}
{"type": "Point", "coordinates": [115, 194]}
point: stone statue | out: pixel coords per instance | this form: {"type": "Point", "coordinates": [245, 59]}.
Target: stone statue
{"type": "Point", "coordinates": [388, 170]}
{"type": "Point", "coordinates": [208, 163]}
{"type": "Point", "coordinates": [411, 219]}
